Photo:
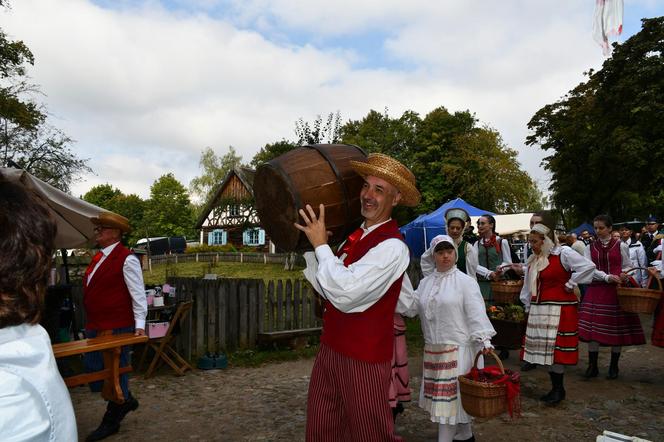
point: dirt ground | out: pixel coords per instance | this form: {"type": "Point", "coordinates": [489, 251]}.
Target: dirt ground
{"type": "Point", "coordinates": [268, 403]}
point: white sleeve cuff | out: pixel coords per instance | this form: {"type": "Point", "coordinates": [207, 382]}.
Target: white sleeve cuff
{"type": "Point", "coordinates": [140, 323]}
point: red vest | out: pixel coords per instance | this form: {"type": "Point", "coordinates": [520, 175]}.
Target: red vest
{"type": "Point", "coordinates": [552, 284]}
{"type": "Point", "coordinates": [107, 300]}
{"type": "Point", "coordinates": [368, 335]}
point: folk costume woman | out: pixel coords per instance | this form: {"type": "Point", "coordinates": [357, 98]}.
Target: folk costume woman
{"type": "Point", "coordinates": [637, 254]}
{"type": "Point", "coordinates": [456, 221]}
{"type": "Point", "coordinates": [601, 320]}
{"type": "Point", "coordinates": [548, 293]}
{"type": "Point", "coordinates": [658, 326]}
{"type": "Point", "coordinates": [455, 328]}
{"type": "Point", "coordinates": [493, 252]}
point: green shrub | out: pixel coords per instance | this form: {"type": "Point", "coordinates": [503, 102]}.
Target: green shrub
{"type": "Point", "coordinates": [204, 248]}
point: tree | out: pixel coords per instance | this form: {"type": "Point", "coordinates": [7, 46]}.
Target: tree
{"type": "Point", "coordinates": [27, 141]}
{"type": "Point", "coordinates": [102, 196]}
{"type": "Point", "coordinates": [215, 169]}
{"type": "Point", "coordinates": [451, 157]}
{"type": "Point", "coordinates": [317, 132]}
{"type": "Point", "coordinates": [270, 151]}
{"type": "Point", "coordinates": [168, 211]}
{"type": "Point", "coordinates": [606, 137]}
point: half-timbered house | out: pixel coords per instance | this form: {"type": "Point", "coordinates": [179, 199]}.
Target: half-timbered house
{"type": "Point", "coordinates": [230, 216]}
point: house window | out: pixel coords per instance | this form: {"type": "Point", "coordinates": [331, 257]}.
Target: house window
{"type": "Point", "coordinates": [234, 210]}
{"type": "Point", "coordinates": [253, 237]}
{"type": "Point", "coordinates": [217, 237]}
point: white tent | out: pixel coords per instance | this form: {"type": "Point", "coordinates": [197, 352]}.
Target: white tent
{"type": "Point", "coordinates": [510, 224]}
{"type": "Point", "coordinates": [73, 215]}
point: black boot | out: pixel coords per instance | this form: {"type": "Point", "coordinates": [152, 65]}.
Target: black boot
{"type": "Point", "coordinates": [504, 353]}
{"type": "Point", "coordinates": [110, 423]}
{"type": "Point", "coordinates": [613, 368]}
{"type": "Point", "coordinates": [592, 371]}
{"type": "Point", "coordinates": [557, 392]}
{"type": "Point", "coordinates": [527, 366]}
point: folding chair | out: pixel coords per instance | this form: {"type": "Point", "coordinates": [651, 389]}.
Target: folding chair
{"type": "Point", "coordinates": [163, 351]}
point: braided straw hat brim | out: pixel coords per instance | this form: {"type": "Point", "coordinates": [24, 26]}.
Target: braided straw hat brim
{"type": "Point", "coordinates": [392, 171]}
{"type": "Point", "coordinates": [114, 220]}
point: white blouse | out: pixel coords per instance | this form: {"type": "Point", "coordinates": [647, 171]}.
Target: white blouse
{"type": "Point", "coordinates": [452, 310]}
{"type": "Point", "coordinates": [582, 270]}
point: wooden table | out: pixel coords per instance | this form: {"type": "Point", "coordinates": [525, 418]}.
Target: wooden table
{"type": "Point", "coordinates": [111, 347]}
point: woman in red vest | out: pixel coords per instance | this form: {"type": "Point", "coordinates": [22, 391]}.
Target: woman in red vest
{"type": "Point", "coordinates": [601, 320]}
{"type": "Point", "coordinates": [548, 293]}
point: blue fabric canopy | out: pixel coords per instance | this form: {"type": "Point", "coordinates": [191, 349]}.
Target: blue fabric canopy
{"type": "Point", "coordinates": [582, 227]}
{"type": "Point", "coordinates": [419, 232]}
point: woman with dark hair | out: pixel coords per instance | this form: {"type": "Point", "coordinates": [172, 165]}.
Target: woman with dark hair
{"type": "Point", "coordinates": [34, 401]}
{"type": "Point", "coordinates": [493, 254]}
{"type": "Point", "coordinates": [551, 339]}
{"type": "Point", "coordinates": [601, 320]}
{"type": "Point", "coordinates": [455, 327]}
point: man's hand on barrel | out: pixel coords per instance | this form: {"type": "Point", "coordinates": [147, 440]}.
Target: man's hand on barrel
{"type": "Point", "coordinates": [314, 226]}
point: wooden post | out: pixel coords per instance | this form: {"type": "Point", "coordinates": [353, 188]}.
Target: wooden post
{"type": "Point", "coordinates": [280, 305]}
{"type": "Point", "coordinates": [261, 305]}
{"type": "Point", "coordinates": [243, 301]}
{"type": "Point", "coordinates": [223, 315]}
{"type": "Point", "coordinates": [197, 257]}
{"type": "Point", "coordinates": [270, 307]}
{"type": "Point", "coordinates": [212, 293]}
{"type": "Point", "coordinates": [289, 305]}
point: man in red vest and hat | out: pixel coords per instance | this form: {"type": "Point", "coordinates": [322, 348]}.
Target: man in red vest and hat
{"type": "Point", "coordinates": [349, 388]}
{"type": "Point", "coordinates": [115, 302]}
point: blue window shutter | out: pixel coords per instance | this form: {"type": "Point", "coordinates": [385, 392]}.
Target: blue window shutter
{"type": "Point", "coordinates": [261, 237]}
{"type": "Point", "coordinates": [245, 237]}
{"type": "Point", "coordinates": [224, 237]}
{"type": "Point", "coordinates": [210, 238]}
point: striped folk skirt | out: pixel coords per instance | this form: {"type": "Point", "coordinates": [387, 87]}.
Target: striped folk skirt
{"type": "Point", "coordinates": [399, 390]}
{"type": "Point", "coordinates": [439, 394]}
{"type": "Point", "coordinates": [551, 335]}
{"type": "Point", "coordinates": [602, 320]}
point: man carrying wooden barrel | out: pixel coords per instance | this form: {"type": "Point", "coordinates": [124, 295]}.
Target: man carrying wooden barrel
{"type": "Point", "coordinates": [361, 284]}
{"type": "Point", "coordinates": [115, 302]}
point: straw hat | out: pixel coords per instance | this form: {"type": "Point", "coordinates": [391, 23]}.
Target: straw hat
{"type": "Point", "coordinates": [110, 219]}
{"type": "Point", "coordinates": [456, 213]}
{"type": "Point", "coordinates": [393, 172]}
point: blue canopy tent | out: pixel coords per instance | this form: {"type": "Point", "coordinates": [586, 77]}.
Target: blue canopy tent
{"type": "Point", "coordinates": [582, 227]}
{"type": "Point", "coordinates": [419, 232]}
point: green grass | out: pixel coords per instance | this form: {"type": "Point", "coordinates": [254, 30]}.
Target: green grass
{"type": "Point", "coordinates": [222, 269]}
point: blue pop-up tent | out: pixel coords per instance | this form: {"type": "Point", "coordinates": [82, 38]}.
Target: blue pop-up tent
{"type": "Point", "coordinates": [582, 227]}
{"type": "Point", "coordinates": [419, 232]}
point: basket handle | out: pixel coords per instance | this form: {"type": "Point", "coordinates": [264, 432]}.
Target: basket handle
{"type": "Point", "coordinates": [495, 356]}
{"type": "Point", "coordinates": [659, 281]}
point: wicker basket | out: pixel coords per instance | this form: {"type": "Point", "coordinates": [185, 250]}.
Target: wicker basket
{"type": "Point", "coordinates": [506, 292]}
{"type": "Point", "coordinates": [483, 399]}
{"type": "Point", "coordinates": [639, 300]}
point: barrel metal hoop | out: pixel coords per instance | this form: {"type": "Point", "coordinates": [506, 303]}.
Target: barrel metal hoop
{"type": "Point", "coordinates": [340, 180]}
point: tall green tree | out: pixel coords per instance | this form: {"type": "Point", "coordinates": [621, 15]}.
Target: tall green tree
{"type": "Point", "coordinates": [605, 138]}
{"type": "Point", "coordinates": [168, 211]}
{"type": "Point", "coordinates": [451, 157]}
{"type": "Point", "coordinates": [270, 151]}
{"type": "Point", "coordinates": [214, 170]}
{"type": "Point", "coordinates": [319, 131]}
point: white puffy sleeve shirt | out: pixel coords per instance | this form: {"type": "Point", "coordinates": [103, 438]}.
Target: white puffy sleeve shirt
{"type": "Point", "coordinates": [357, 287]}
{"type": "Point", "coordinates": [428, 265]}
{"type": "Point", "coordinates": [452, 310]}
{"type": "Point", "coordinates": [582, 270]}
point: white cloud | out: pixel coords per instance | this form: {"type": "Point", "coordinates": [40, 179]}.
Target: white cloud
{"type": "Point", "coordinates": [144, 89]}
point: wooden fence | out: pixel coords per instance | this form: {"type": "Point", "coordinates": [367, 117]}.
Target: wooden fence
{"type": "Point", "coordinates": [229, 313]}
{"type": "Point", "coordinates": [214, 257]}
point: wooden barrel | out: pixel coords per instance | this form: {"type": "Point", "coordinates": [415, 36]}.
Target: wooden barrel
{"type": "Point", "coordinates": [312, 174]}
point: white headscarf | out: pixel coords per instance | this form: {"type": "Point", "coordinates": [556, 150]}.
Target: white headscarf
{"type": "Point", "coordinates": [540, 261]}
{"type": "Point", "coordinates": [427, 261]}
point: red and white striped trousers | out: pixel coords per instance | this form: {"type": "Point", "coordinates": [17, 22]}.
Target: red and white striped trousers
{"type": "Point", "coordinates": [349, 400]}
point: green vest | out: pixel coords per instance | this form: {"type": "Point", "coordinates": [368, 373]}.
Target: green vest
{"type": "Point", "coordinates": [489, 258]}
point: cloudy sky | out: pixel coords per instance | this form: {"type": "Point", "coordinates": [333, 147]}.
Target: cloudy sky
{"type": "Point", "coordinates": [144, 86]}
